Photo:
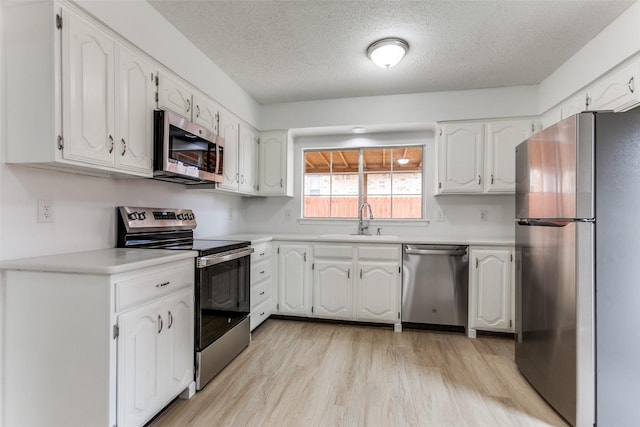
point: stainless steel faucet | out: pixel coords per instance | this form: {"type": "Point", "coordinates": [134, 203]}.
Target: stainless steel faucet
{"type": "Point", "coordinates": [363, 225]}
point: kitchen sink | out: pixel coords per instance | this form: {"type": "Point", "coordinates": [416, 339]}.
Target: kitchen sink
{"type": "Point", "coordinates": [359, 236]}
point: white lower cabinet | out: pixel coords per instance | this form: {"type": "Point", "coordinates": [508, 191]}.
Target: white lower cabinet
{"type": "Point", "coordinates": [491, 290]}
{"type": "Point", "coordinates": [357, 282]}
{"type": "Point", "coordinates": [261, 283]}
{"type": "Point", "coordinates": [294, 278]}
{"type": "Point", "coordinates": [96, 349]}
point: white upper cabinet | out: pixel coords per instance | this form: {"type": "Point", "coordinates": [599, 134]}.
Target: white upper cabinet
{"type": "Point", "coordinates": [275, 169]}
{"type": "Point", "coordinates": [135, 98]}
{"type": "Point", "coordinates": [617, 91]}
{"type": "Point", "coordinates": [460, 158]}
{"type": "Point", "coordinates": [205, 112]}
{"type": "Point", "coordinates": [88, 82]}
{"type": "Point", "coordinates": [247, 147]}
{"type": "Point", "coordinates": [479, 157]}
{"type": "Point", "coordinates": [94, 113]}
{"type": "Point", "coordinates": [500, 145]}
{"type": "Point", "coordinates": [174, 94]}
{"type": "Point", "coordinates": [229, 128]}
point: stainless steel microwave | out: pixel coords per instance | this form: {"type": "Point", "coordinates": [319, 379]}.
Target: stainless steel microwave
{"type": "Point", "coordinates": [185, 152]}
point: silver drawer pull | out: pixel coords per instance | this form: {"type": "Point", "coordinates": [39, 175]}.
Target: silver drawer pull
{"type": "Point", "coordinates": [261, 253]}
{"type": "Point", "coordinates": [170, 320]}
{"type": "Point", "coordinates": [262, 314]}
{"type": "Point", "coordinates": [159, 324]}
{"type": "Point", "coordinates": [262, 272]}
{"type": "Point", "coordinates": [162, 285]}
{"type": "Point", "coordinates": [262, 293]}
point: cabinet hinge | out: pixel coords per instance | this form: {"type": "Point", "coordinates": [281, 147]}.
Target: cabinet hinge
{"type": "Point", "coordinates": [398, 315]}
{"type": "Point", "coordinates": [399, 269]}
{"type": "Point", "coordinates": [60, 142]}
{"type": "Point", "coordinates": [157, 81]}
{"type": "Point", "coordinates": [440, 184]}
{"type": "Point", "coordinates": [58, 21]}
{"type": "Point", "coordinates": [587, 101]}
{"type": "Point", "coordinates": [116, 331]}
{"type": "Point", "coordinates": [440, 132]}
{"type": "Point", "coordinates": [511, 257]}
{"type": "Point", "coordinates": [510, 323]}
{"type": "Point", "coordinates": [278, 251]}
{"type": "Point", "coordinates": [157, 97]}
{"type": "Point", "coordinates": [278, 306]}
{"type": "Point", "coordinates": [312, 309]}
{"type": "Point", "coordinates": [532, 127]}
{"type": "Point", "coordinates": [258, 187]}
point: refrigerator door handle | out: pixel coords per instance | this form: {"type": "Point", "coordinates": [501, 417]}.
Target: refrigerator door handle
{"type": "Point", "coordinates": [541, 223]}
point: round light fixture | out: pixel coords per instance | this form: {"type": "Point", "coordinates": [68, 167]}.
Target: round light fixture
{"type": "Point", "coordinates": [403, 161]}
{"type": "Point", "coordinates": [388, 52]}
{"type": "Point", "coordinates": [358, 129]}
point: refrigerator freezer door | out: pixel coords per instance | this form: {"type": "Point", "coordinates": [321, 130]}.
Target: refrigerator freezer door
{"type": "Point", "coordinates": [554, 171]}
{"type": "Point", "coordinates": [554, 307]}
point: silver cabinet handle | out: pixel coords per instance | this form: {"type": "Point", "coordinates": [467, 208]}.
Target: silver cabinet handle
{"type": "Point", "coordinates": [237, 177]}
{"type": "Point", "coordinates": [281, 182]}
{"type": "Point", "coordinates": [349, 274]}
{"type": "Point", "coordinates": [492, 178]}
{"type": "Point", "coordinates": [479, 180]}
{"type": "Point", "coordinates": [111, 148]}
{"type": "Point", "coordinates": [188, 105]}
{"type": "Point", "coordinates": [197, 111]}
{"type": "Point", "coordinates": [631, 85]}
{"type": "Point", "coordinates": [159, 323]}
{"type": "Point", "coordinates": [170, 320]}
{"type": "Point", "coordinates": [305, 257]}
{"type": "Point", "coordinates": [262, 272]}
{"type": "Point", "coordinates": [261, 253]}
{"type": "Point", "coordinates": [124, 146]}
{"type": "Point", "coordinates": [361, 273]}
{"type": "Point", "coordinates": [262, 293]}
{"type": "Point", "coordinates": [163, 284]}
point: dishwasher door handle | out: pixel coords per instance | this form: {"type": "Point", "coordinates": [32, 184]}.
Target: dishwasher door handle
{"type": "Point", "coordinates": [413, 251]}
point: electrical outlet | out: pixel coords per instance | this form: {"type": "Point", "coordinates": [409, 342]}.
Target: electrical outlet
{"type": "Point", "coordinates": [45, 211]}
{"type": "Point", "coordinates": [440, 215]}
{"type": "Point", "coordinates": [483, 215]}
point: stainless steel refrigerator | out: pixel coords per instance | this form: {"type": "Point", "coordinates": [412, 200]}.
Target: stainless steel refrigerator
{"type": "Point", "coordinates": [578, 267]}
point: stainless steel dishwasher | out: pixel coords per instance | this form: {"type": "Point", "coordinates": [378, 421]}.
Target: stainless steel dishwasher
{"type": "Point", "coordinates": [435, 285]}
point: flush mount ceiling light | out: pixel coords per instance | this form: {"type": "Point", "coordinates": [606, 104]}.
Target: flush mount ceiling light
{"type": "Point", "coordinates": [386, 53]}
{"type": "Point", "coordinates": [403, 161]}
{"type": "Point", "coordinates": [358, 129]}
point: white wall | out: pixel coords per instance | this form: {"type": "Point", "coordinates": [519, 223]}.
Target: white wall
{"type": "Point", "coordinates": [462, 213]}
{"type": "Point", "coordinates": [614, 44]}
{"type": "Point", "coordinates": [411, 108]}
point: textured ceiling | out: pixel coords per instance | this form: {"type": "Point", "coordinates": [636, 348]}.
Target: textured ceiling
{"type": "Point", "coordinates": [283, 51]}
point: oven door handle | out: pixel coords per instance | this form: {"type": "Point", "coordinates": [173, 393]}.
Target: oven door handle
{"type": "Point", "coordinates": [206, 261]}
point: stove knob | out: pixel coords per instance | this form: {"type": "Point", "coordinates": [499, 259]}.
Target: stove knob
{"type": "Point", "coordinates": [142, 216]}
{"type": "Point", "coordinates": [192, 216]}
{"type": "Point", "coordinates": [132, 216]}
{"type": "Point", "coordinates": [180, 216]}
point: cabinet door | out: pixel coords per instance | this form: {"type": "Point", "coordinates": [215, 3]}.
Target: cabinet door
{"type": "Point", "coordinates": [490, 290]}
{"type": "Point", "coordinates": [378, 291]}
{"type": "Point", "coordinates": [247, 159]}
{"type": "Point", "coordinates": [293, 279]}
{"type": "Point", "coordinates": [178, 352]}
{"type": "Point", "coordinates": [500, 153]}
{"type": "Point", "coordinates": [333, 288]}
{"type": "Point", "coordinates": [174, 95]}
{"type": "Point", "coordinates": [205, 112]}
{"type": "Point", "coordinates": [273, 157]}
{"type": "Point", "coordinates": [574, 105]}
{"type": "Point", "coordinates": [460, 148]}
{"type": "Point", "coordinates": [139, 343]}
{"type": "Point", "coordinates": [229, 131]}
{"type": "Point", "coordinates": [88, 93]}
{"type": "Point", "coordinates": [617, 91]}
{"type": "Point", "coordinates": [135, 103]}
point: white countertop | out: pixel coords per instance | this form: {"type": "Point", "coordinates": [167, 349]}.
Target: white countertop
{"type": "Point", "coordinates": [101, 261]}
{"type": "Point", "coordinates": [346, 238]}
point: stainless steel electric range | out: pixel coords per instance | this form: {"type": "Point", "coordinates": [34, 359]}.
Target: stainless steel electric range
{"type": "Point", "coordinates": [222, 278]}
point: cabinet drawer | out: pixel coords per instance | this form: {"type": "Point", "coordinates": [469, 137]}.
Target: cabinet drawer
{"type": "Point", "coordinates": [260, 293]}
{"type": "Point", "coordinates": [380, 252]}
{"type": "Point", "coordinates": [333, 251]}
{"type": "Point", "coordinates": [260, 314]}
{"type": "Point", "coordinates": [260, 272]}
{"type": "Point", "coordinates": [262, 251]}
{"type": "Point", "coordinates": [152, 283]}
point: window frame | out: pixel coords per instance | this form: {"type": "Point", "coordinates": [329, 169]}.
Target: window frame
{"type": "Point", "coordinates": [361, 148]}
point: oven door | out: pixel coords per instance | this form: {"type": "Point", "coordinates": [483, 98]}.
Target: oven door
{"type": "Point", "coordinates": [222, 298]}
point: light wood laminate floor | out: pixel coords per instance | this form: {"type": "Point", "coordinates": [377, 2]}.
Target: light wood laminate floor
{"type": "Point", "coordinates": [313, 374]}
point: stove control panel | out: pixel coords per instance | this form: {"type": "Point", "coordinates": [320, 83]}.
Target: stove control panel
{"type": "Point", "coordinates": [157, 219]}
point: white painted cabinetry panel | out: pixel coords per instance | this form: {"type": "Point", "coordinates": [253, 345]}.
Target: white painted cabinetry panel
{"type": "Point", "coordinates": [491, 295]}
{"type": "Point", "coordinates": [294, 279]}
{"type": "Point", "coordinates": [460, 148]}
{"type": "Point", "coordinates": [262, 282]}
{"type": "Point", "coordinates": [500, 145]}
{"type": "Point", "coordinates": [275, 170]}
{"type": "Point", "coordinates": [333, 288]}
{"type": "Point", "coordinates": [617, 91]}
